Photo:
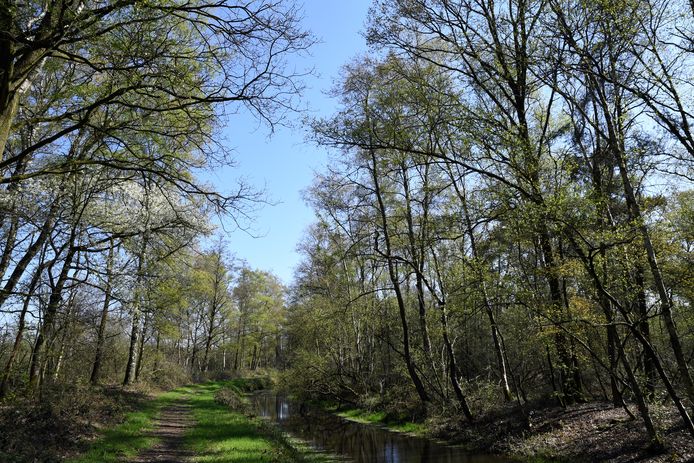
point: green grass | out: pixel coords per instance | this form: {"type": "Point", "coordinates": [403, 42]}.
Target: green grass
{"type": "Point", "coordinates": [220, 434]}
{"type": "Point", "coordinates": [224, 436]}
{"type": "Point", "coordinates": [381, 418]}
{"type": "Point", "coordinates": [363, 416]}
{"type": "Point", "coordinates": [129, 437]}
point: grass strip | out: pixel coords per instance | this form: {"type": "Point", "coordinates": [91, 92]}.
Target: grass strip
{"type": "Point", "coordinates": [380, 418]}
{"type": "Point", "coordinates": [131, 436]}
{"type": "Point", "coordinates": [220, 434]}
{"type": "Point", "coordinates": [225, 433]}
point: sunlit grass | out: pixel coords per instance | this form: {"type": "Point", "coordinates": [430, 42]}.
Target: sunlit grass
{"type": "Point", "coordinates": [219, 434]}
{"type": "Point", "coordinates": [381, 418]}
{"type": "Point", "coordinates": [131, 436]}
{"type": "Point", "coordinates": [414, 428]}
{"type": "Point", "coordinates": [224, 436]}
{"type": "Point", "coordinates": [363, 416]}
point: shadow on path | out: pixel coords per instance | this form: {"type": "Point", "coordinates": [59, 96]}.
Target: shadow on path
{"type": "Point", "coordinates": [170, 429]}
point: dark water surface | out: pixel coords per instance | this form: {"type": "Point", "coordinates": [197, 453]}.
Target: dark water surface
{"type": "Point", "coordinates": [358, 442]}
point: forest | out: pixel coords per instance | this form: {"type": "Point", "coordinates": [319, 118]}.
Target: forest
{"type": "Point", "coordinates": [505, 226]}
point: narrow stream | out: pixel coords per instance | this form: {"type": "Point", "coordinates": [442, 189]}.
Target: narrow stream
{"type": "Point", "coordinates": [358, 442]}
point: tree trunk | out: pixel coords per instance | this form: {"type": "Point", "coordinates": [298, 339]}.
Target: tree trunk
{"type": "Point", "coordinates": [210, 333]}
{"type": "Point", "coordinates": [496, 334]}
{"type": "Point", "coordinates": [18, 270]}
{"type": "Point", "coordinates": [392, 273]}
{"type": "Point", "coordinates": [65, 336]}
{"type": "Point", "coordinates": [157, 353]}
{"type": "Point", "coordinates": [665, 302]}
{"type": "Point", "coordinates": [644, 327]}
{"type": "Point", "coordinates": [4, 382]}
{"type": "Point", "coordinates": [640, 402]}
{"type": "Point", "coordinates": [453, 366]}
{"type": "Point", "coordinates": [647, 346]}
{"type": "Point", "coordinates": [224, 352]}
{"type": "Point", "coordinates": [7, 116]}
{"type": "Point", "coordinates": [9, 246]}
{"type": "Point", "coordinates": [46, 330]}
{"type": "Point", "coordinates": [612, 346]}
{"type": "Point", "coordinates": [131, 365]}
{"type": "Point", "coordinates": [101, 334]}
{"type": "Point", "coordinates": [570, 387]}
{"type": "Point", "coordinates": [418, 264]}
{"type": "Point", "coordinates": [141, 347]}
{"type": "Point", "coordinates": [240, 342]}
{"type": "Point", "coordinates": [135, 333]}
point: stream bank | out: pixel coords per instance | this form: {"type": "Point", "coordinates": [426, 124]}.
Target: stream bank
{"type": "Point", "coordinates": [359, 442]}
{"type": "Point", "coordinates": [587, 432]}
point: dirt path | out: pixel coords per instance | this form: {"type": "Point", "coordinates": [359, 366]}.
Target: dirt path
{"type": "Point", "coordinates": [170, 429]}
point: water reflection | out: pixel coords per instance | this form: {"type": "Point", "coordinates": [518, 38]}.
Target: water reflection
{"type": "Point", "coordinates": [357, 442]}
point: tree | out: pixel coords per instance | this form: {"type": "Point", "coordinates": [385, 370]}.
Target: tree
{"type": "Point", "coordinates": [259, 298]}
{"type": "Point", "coordinates": [488, 49]}
{"type": "Point", "coordinates": [212, 283]}
{"type": "Point", "coordinates": [147, 52]}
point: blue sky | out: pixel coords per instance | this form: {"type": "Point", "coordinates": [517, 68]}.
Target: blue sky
{"type": "Point", "coordinates": [284, 164]}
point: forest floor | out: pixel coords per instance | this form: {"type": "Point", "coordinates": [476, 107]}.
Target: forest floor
{"type": "Point", "coordinates": [597, 431]}
{"type": "Point", "coordinates": [588, 432]}
{"type": "Point", "coordinates": [70, 418]}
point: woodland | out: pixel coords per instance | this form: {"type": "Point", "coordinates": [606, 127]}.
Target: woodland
{"type": "Point", "coordinates": [506, 224]}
